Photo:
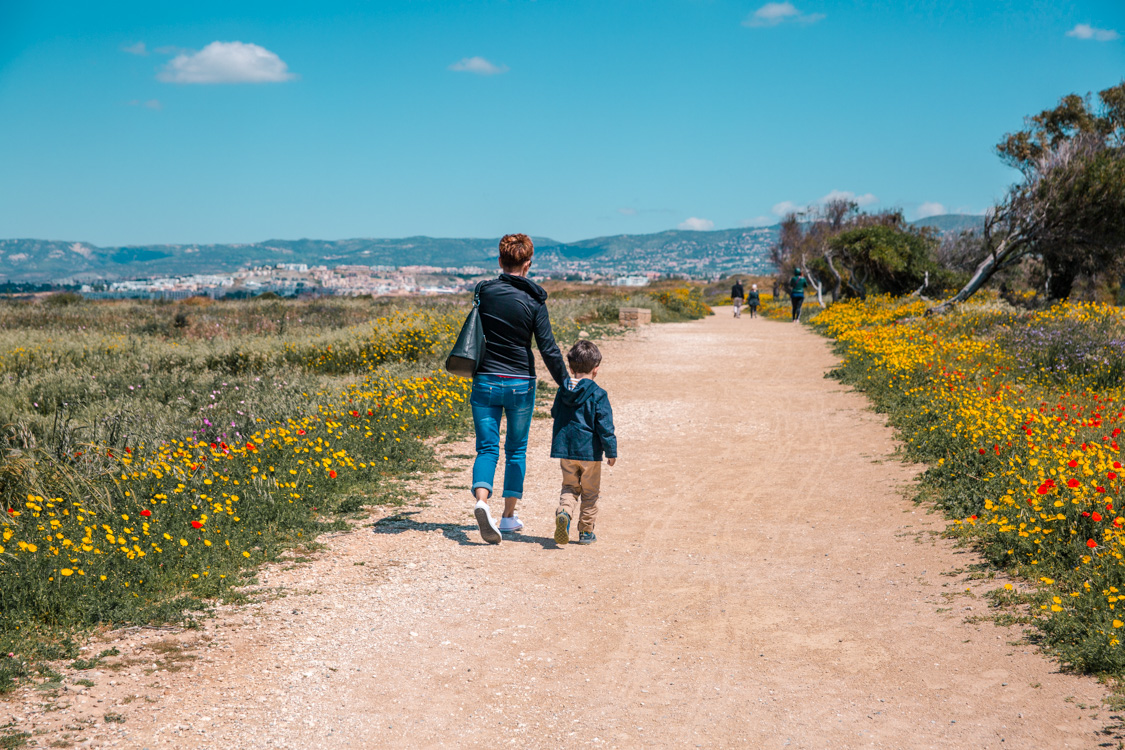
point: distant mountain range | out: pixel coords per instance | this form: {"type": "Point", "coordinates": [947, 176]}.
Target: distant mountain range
{"type": "Point", "coordinates": [691, 252]}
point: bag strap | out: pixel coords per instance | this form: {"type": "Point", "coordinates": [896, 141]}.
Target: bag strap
{"type": "Point", "coordinates": [476, 293]}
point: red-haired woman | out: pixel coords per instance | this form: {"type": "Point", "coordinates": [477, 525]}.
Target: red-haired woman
{"type": "Point", "coordinates": [512, 309]}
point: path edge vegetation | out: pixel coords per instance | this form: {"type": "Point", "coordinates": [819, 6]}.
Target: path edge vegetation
{"type": "Point", "coordinates": [961, 393]}
{"type": "Point", "coordinates": [347, 380]}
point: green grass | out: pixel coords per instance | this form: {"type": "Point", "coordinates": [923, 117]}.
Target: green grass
{"type": "Point", "coordinates": [212, 438]}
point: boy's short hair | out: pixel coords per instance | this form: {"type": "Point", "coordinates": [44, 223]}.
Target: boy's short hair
{"type": "Point", "coordinates": [583, 357]}
{"type": "Point", "coordinates": [515, 250]}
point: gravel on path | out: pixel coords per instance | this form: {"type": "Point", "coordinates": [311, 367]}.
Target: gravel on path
{"type": "Point", "coordinates": [760, 579]}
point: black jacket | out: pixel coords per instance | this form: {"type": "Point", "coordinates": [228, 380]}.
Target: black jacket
{"type": "Point", "coordinates": [736, 291]}
{"type": "Point", "coordinates": [583, 422]}
{"type": "Point", "coordinates": [512, 309]}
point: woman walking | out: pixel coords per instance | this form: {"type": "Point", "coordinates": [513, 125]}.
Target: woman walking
{"type": "Point", "coordinates": [512, 310]}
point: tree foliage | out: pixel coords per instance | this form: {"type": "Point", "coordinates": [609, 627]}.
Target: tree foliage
{"type": "Point", "coordinates": [1069, 209]}
{"type": "Point", "coordinates": [846, 253]}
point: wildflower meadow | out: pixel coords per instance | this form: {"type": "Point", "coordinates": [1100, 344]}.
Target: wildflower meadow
{"type": "Point", "coordinates": [152, 454]}
{"type": "Point", "coordinates": [1018, 415]}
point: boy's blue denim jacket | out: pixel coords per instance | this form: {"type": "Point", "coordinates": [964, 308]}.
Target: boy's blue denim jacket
{"type": "Point", "coordinates": [583, 422]}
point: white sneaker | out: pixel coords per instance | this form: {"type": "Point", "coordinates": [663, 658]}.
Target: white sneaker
{"type": "Point", "coordinates": [508, 525]}
{"type": "Point", "coordinates": [488, 530]}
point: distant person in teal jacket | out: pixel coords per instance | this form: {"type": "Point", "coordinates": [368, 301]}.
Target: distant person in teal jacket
{"type": "Point", "coordinates": [582, 435]}
{"type": "Point", "coordinates": [797, 286]}
{"type": "Point", "coordinates": [753, 299]}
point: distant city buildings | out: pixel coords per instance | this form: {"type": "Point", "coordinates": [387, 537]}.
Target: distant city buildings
{"type": "Point", "coordinates": [683, 258]}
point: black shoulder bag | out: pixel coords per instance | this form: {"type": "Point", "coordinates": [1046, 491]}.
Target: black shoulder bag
{"type": "Point", "coordinates": [469, 349]}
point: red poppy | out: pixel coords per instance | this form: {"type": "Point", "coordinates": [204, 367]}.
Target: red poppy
{"type": "Point", "coordinates": [196, 524]}
{"type": "Point", "coordinates": [1117, 464]}
{"type": "Point", "coordinates": [146, 512]}
{"type": "Point", "coordinates": [251, 447]}
{"type": "Point", "coordinates": [12, 511]}
{"type": "Point", "coordinates": [354, 413]}
{"type": "Point", "coordinates": [1099, 488]}
{"type": "Point", "coordinates": [1072, 463]}
{"type": "Point", "coordinates": [1085, 514]}
{"type": "Point", "coordinates": [973, 518]}
{"type": "Point", "coordinates": [300, 432]}
{"type": "Point", "coordinates": [370, 413]}
{"type": "Point", "coordinates": [1072, 483]}
{"type": "Point", "coordinates": [1043, 489]}
{"type": "Point", "coordinates": [980, 451]}
{"type": "Point", "coordinates": [1111, 475]}
{"type": "Point", "coordinates": [332, 473]}
{"type": "Point", "coordinates": [1091, 543]}
{"type": "Point", "coordinates": [1096, 516]}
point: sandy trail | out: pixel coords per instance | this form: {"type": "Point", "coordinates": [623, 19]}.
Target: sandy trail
{"type": "Point", "coordinates": [759, 581]}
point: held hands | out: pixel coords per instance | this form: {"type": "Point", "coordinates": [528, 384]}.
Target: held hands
{"type": "Point", "coordinates": [611, 461]}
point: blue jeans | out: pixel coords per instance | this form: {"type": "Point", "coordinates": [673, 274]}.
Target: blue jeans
{"type": "Point", "coordinates": [492, 397]}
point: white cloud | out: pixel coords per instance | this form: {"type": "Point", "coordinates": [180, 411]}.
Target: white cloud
{"type": "Point", "coordinates": [478, 65]}
{"type": "Point", "coordinates": [697, 225]}
{"type": "Point", "coordinates": [1086, 31]}
{"type": "Point", "coordinates": [136, 49]}
{"type": "Point", "coordinates": [787, 207]}
{"type": "Point", "coordinates": [930, 208]}
{"type": "Point", "coordinates": [774, 14]}
{"type": "Point", "coordinates": [627, 211]}
{"type": "Point", "coordinates": [867, 199]}
{"type": "Point", "coordinates": [226, 62]}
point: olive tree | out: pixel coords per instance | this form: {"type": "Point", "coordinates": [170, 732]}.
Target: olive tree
{"type": "Point", "coordinates": [1069, 207]}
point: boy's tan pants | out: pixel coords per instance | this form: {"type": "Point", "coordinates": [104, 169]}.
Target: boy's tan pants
{"type": "Point", "coordinates": [581, 479]}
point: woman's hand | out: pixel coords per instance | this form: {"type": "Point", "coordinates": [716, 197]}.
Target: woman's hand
{"type": "Point", "coordinates": [611, 461]}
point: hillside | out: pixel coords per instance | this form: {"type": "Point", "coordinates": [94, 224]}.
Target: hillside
{"type": "Point", "coordinates": [698, 254]}
{"type": "Point", "coordinates": [29, 260]}
{"type": "Point", "coordinates": [951, 222]}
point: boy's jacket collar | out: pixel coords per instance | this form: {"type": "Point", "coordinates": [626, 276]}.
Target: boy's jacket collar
{"type": "Point", "coordinates": [575, 392]}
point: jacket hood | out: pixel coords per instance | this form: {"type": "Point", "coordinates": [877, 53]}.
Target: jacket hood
{"type": "Point", "coordinates": [522, 282]}
{"type": "Point", "coordinates": [583, 390]}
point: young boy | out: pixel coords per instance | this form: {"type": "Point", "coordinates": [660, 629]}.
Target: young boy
{"type": "Point", "coordinates": [583, 432]}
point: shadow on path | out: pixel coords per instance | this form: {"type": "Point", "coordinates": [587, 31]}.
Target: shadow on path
{"type": "Point", "coordinates": [400, 522]}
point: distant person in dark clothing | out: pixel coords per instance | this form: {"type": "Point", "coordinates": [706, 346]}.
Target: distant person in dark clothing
{"type": "Point", "coordinates": [752, 299]}
{"type": "Point", "coordinates": [797, 286]}
{"type": "Point", "coordinates": [512, 310]}
{"type": "Point", "coordinates": [736, 295]}
{"type": "Point", "coordinates": [776, 289]}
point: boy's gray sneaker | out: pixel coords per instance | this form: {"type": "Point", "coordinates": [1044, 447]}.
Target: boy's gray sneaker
{"type": "Point", "coordinates": [586, 537]}
{"type": "Point", "coordinates": [488, 530]}
{"type": "Point", "coordinates": [562, 527]}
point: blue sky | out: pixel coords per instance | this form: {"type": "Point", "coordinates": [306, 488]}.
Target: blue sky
{"type": "Point", "coordinates": [143, 122]}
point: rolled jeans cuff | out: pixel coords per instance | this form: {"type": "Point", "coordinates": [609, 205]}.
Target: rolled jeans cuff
{"type": "Point", "coordinates": [479, 485]}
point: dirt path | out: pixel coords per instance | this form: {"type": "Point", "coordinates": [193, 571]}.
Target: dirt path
{"type": "Point", "coordinates": [759, 581]}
